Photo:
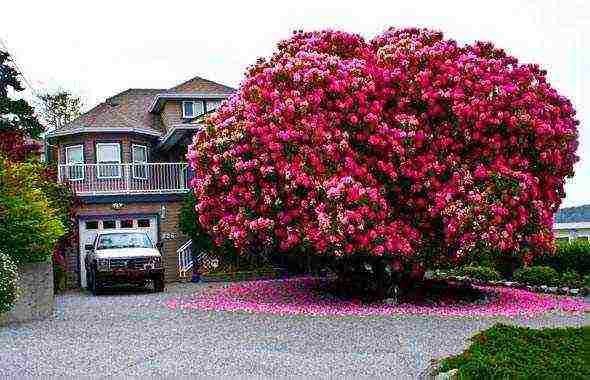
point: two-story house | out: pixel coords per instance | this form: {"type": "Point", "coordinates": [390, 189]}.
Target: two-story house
{"type": "Point", "coordinates": [125, 159]}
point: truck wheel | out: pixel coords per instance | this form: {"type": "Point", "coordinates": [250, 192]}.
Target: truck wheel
{"type": "Point", "coordinates": [159, 284]}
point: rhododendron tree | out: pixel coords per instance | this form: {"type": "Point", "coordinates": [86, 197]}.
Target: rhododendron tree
{"type": "Point", "coordinates": [408, 147]}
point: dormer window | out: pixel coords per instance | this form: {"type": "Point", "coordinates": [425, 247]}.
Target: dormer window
{"type": "Point", "coordinates": [192, 109]}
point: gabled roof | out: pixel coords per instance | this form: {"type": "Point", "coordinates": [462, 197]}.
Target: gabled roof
{"type": "Point", "coordinates": [195, 88]}
{"type": "Point", "coordinates": [201, 85]}
{"type": "Point", "coordinates": [129, 111]}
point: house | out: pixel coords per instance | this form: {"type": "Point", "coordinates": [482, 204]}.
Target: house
{"type": "Point", "coordinates": [572, 223]}
{"type": "Point", "coordinates": [125, 159]}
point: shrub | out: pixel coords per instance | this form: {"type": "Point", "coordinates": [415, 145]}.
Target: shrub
{"type": "Point", "coordinates": [480, 273]}
{"type": "Point", "coordinates": [8, 283]}
{"type": "Point", "coordinates": [337, 146]}
{"type": "Point", "coordinates": [537, 276]}
{"type": "Point", "coordinates": [587, 280]}
{"type": "Point", "coordinates": [574, 256]}
{"type": "Point", "coordinates": [510, 352]}
{"type": "Point", "coordinates": [29, 226]}
{"type": "Point", "coordinates": [570, 279]}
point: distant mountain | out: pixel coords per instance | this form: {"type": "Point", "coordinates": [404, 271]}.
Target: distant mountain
{"type": "Point", "coordinates": [573, 214]}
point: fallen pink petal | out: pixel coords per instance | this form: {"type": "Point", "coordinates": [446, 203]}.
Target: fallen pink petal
{"type": "Point", "coordinates": [299, 297]}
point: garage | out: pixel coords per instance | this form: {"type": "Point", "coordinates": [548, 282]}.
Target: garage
{"type": "Point", "coordinates": [90, 226]}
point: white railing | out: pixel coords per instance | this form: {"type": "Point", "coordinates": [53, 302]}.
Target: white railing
{"type": "Point", "coordinates": [107, 179]}
{"type": "Point", "coordinates": [185, 260]}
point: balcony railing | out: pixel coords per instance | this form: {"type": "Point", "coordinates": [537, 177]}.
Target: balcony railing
{"type": "Point", "coordinates": [138, 178]}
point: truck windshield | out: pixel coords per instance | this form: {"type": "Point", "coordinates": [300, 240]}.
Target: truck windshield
{"type": "Point", "coordinates": [124, 240]}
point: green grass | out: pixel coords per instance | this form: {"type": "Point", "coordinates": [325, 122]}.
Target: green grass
{"type": "Point", "coordinates": [509, 352]}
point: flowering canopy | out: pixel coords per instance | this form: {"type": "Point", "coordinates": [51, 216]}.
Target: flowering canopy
{"type": "Point", "coordinates": [392, 147]}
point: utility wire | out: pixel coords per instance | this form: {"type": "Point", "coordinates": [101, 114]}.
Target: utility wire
{"type": "Point", "coordinates": [20, 70]}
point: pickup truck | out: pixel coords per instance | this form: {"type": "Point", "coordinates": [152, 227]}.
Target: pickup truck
{"type": "Point", "coordinates": [123, 257]}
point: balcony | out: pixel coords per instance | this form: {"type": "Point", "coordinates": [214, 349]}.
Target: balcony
{"type": "Point", "coordinates": [113, 179]}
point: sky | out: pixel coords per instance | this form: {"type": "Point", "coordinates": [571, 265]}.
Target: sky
{"type": "Point", "coordinates": [96, 49]}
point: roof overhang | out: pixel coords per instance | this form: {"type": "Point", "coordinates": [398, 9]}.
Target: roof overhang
{"type": "Point", "coordinates": [176, 133]}
{"type": "Point", "coordinates": [160, 99]}
{"type": "Point", "coordinates": [74, 131]}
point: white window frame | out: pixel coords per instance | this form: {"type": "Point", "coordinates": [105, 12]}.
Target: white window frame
{"type": "Point", "coordinates": [137, 164]}
{"type": "Point", "coordinates": [69, 171]}
{"type": "Point", "coordinates": [192, 102]}
{"type": "Point", "coordinates": [118, 145]}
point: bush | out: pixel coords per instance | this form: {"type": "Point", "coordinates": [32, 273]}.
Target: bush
{"type": "Point", "coordinates": [574, 256]}
{"type": "Point", "coordinates": [480, 273]}
{"type": "Point", "coordinates": [511, 352]}
{"type": "Point", "coordinates": [338, 146]}
{"type": "Point", "coordinates": [8, 283]}
{"type": "Point", "coordinates": [570, 279]}
{"type": "Point", "coordinates": [29, 226]}
{"type": "Point", "coordinates": [537, 275]}
{"type": "Point", "coordinates": [587, 281]}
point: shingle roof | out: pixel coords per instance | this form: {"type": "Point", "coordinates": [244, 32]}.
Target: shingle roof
{"type": "Point", "coordinates": [130, 108]}
{"type": "Point", "coordinates": [126, 109]}
{"type": "Point", "coordinates": [198, 84]}
{"type": "Point", "coordinates": [573, 214]}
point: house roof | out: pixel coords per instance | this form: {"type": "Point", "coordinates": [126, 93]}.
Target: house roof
{"type": "Point", "coordinates": [129, 111]}
{"type": "Point", "coordinates": [577, 214]}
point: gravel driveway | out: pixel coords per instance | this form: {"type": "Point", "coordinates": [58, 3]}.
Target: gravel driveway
{"type": "Point", "coordinates": [132, 334]}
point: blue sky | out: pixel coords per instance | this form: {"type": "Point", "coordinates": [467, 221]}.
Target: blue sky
{"type": "Point", "coordinates": [97, 49]}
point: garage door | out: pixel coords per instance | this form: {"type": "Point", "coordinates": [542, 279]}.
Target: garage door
{"type": "Point", "coordinates": [90, 227]}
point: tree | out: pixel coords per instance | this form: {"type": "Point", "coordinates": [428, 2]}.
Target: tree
{"type": "Point", "coordinates": [18, 122]}
{"type": "Point", "coordinates": [29, 226]}
{"type": "Point", "coordinates": [59, 108]}
{"type": "Point", "coordinates": [408, 147]}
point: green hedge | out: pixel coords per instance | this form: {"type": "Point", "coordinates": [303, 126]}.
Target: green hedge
{"type": "Point", "coordinates": [537, 275]}
{"type": "Point", "coordinates": [480, 273]}
{"type": "Point", "coordinates": [510, 352]}
{"type": "Point", "coordinates": [8, 283]}
{"type": "Point", "coordinates": [574, 256]}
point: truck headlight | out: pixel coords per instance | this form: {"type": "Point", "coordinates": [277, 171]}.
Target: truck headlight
{"type": "Point", "coordinates": [102, 264]}
{"type": "Point", "coordinates": [156, 262]}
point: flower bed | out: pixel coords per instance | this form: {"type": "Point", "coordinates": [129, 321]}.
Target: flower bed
{"type": "Point", "coordinates": [560, 290]}
{"type": "Point", "coordinates": [303, 296]}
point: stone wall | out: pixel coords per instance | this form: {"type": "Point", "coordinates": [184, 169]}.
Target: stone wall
{"type": "Point", "coordinates": [35, 290]}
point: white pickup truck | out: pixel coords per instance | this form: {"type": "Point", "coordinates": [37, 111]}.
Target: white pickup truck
{"type": "Point", "coordinates": [123, 257]}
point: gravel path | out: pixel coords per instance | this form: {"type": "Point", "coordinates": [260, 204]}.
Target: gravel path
{"type": "Point", "coordinates": [132, 334]}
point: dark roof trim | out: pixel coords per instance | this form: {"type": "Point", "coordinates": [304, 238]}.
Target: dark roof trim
{"type": "Point", "coordinates": [175, 133]}
{"type": "Point", "coordinates": [160, 99]}
{"type": "Point", "coordinates": [74, 131]}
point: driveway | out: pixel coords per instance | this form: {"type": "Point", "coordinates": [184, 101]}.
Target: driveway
{"type": "Point", "coordinates": [132, 334]}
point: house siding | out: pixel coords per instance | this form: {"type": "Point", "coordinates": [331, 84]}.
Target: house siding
{"type": "Point", "coordinates": [90, 140]}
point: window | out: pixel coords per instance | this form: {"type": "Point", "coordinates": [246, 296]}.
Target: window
{"type": "Point", "coordinates": [124, 240]}
{"type": "Point", "coordinates": [143, 223]}
{"type": "Point", "coordinates": [108, 155]}
{"type": "Point", "coordinates": [74, 162]}
{"type": "Point", "coordinates": [127, 223]}
{"type": "Point", "coordinates": [108, 224]}
{"type": "Point", "coordinates": [213, 104]}
{"type": "Point", "coordinates": [92, 225]}
{"type": "Point", "coordinates": [192, 109]}
{"type": "Point", "coordinates": [139, 157]}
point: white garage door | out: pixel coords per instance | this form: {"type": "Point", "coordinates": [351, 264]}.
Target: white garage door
{"type": "Point", "coordinates": [90, 227]}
